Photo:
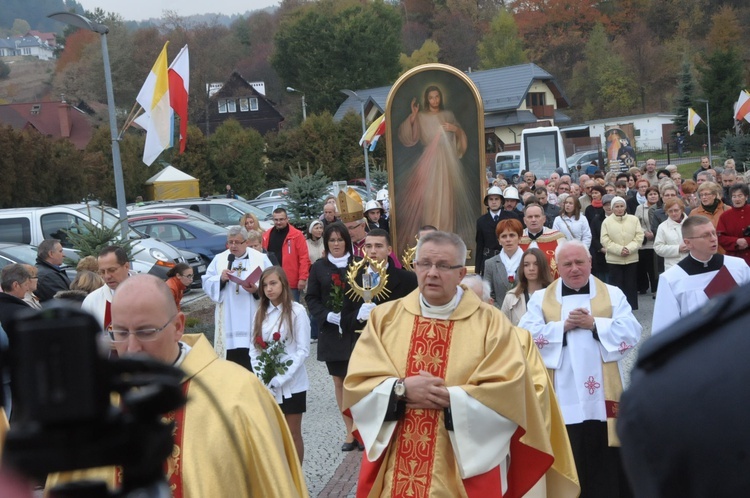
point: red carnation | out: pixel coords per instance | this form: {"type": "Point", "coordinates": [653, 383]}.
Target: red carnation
{"type": "Point", "coordinates": [276, 336]}
{"type": "Point", "coordinates": [511, 278]}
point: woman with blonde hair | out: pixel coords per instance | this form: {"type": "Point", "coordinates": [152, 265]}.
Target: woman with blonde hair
{"type": "Point", "coordinates": [669, 243]}
{"type": "Point", "coordinates": [250, 222]}
{"type": "Point", "coordinates": [85, 283]}
{"type": "Point", "coordinates": [88, 263]}
{"type": "Point", "coordinates": [30, 298]}
{"type": "Point", "coordinates": [533, 274]}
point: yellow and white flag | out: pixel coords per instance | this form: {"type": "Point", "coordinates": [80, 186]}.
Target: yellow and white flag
{"type": "Point", "coordinates": [157, 117]}
{"type": "Point", "coordinates": [693, 120]}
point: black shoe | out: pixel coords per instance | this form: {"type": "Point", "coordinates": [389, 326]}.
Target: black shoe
{"type": "Point", "coordinates": [360, 446]}
{"type": "Point", "coordinates": [349, 446]}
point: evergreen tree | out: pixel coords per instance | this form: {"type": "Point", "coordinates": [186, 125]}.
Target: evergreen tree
{"type": "Point", "coordinates": [721, 80]}
{"type": "Point", "coordinates": [684, 98]}
{"type": "Point", "coordinates": [305, 196]}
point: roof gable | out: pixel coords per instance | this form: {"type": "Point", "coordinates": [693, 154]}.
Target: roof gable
{"type": "Point", "coordinates": [501, 89]}
{"type": "Point", "coordinates": [49, 118]}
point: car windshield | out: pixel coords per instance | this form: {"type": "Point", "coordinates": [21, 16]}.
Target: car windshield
{"type": "Point", "coordinates": [247, 208]}
{"type": "Point", "coordinates": [21, 254]}
{"type": "Point", "coordinates": [207, 227]}
{"type": "Point", "coordinates": [507, 165]}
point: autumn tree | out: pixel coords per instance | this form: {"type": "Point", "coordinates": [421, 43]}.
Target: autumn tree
{"type": "Point", "coordinates": [601, 82]}
{"type": "Point", "coordinates": [685, 97]}
{"type": "Point", "coordinates": [501, 46]}
{"type": "Point", "coordinates": [426, 54]}
{"type": "Point", "coordinates": [356, 45]}
{"type": "Point", "coordinates": [235, 156]}
{"type": "Point", "coordinates": [457, 34]}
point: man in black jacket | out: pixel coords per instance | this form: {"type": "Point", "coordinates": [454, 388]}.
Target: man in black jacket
{"type": "Point", "coordinates": [377, 247]}
{"type": "Point", "coordinates": [52, 278]}
{"type": "Point", "coordinates": [14, 282]}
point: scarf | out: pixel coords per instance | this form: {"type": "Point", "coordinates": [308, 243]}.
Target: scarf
{"type": "Point", "coordinates": [640, 198]}
{"type": "Point", "coordinates": [597, 203]}
{"type": "Point", "coordinates": [511, 262]}
{"type": "Point", "coordinates": [712, 208]}
{"type": "Point", "coordinates": [340, 262]}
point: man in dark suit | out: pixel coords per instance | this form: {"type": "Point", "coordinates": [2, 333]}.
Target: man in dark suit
{"type": "Point", "coordinates": [377, 247]}
{"type": "Point", "coordinates": [52, 278]}
{"type": "Point", "coordinates": [487, 244]}
{"type": "Point", "coordinates": [682, 422]}
{"type": "Point", "coordinates": [15, 282]}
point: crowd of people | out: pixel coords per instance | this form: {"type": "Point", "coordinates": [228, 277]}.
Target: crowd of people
{"type": "Point", "coordinates": [559, 265]}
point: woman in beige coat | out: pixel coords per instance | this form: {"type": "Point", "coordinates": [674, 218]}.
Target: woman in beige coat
{"type": "Point", "coordinates": [622, 236]}
{"type": "Point", "coordinates": [533, 274]}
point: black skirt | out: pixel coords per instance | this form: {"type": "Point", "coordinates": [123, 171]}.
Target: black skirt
{"type": "Point", "coordinates": [294, 405]}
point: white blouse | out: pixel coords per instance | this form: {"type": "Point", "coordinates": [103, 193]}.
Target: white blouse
{"type": "Point", "coordinates": [572, 228]}
{"type": "Point", "coordinates": [297, 345]}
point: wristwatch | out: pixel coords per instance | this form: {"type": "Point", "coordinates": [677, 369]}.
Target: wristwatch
{"type": "Point", "coordinates": [399, 389]}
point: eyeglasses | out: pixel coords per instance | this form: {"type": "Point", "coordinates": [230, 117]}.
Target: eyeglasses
{"type": "Point", "coordinates": [236, 242]}
{"type": "Point", "coordinates": [143, 335]}
{"type": "Point", "coordinates": [441, 267]}
{"type": "Point", "coordinates": [705, 236]}
{"type": "Point", "coordinates": [352, 227]}
{"type": "Point", "coordinates": [189, 275]}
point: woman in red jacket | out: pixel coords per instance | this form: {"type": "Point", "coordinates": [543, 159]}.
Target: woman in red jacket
{"type": "Point", "coordinates": [733, 224]}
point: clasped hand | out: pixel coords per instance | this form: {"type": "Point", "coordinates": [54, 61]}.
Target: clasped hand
{"type": "Point", "coordinates": [425, 391]}
{"type": "Point", "coordinates": [579, 318]}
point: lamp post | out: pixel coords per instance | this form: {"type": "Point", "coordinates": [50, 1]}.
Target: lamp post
{"type": "Point", "coordinates": [353, 94]}
{"type": "Point", "coordinates": [304, 106]}
{"type": "Point", "coordinates": [708, 125]}
{"type": "Point", "coordinates": [84, 23]}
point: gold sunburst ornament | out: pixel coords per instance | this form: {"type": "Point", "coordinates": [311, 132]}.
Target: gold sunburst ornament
{"type": "Point", "coordinates": [407, 258]}
{"type": "Point", "coordinates": [367, 292]}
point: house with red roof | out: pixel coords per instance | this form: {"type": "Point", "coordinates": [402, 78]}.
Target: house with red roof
{"type": "Point", "coordinates": [52, 119]}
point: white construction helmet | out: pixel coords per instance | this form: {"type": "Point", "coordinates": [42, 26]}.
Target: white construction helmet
{"type": "Point", "coordinates": [494, 191]}
{"type": "Point", "coordinates": [511, 193]}
{"type": "Point", "coordinates": [373, 205]}
{"type": "Point", "coordinates": [382, 194]}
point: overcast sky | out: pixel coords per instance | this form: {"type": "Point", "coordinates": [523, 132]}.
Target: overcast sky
{"type": "Point", "coordinates": [138, 10]}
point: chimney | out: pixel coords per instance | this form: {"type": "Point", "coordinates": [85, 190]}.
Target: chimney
{"type": "Point", "coordinates": [63, 111]}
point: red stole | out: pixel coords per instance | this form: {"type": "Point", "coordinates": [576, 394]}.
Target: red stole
{"type": "Point", "coordinates": [547, 243]}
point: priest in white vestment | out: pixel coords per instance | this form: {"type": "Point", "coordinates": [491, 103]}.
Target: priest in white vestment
{"type": "Point", "coordinates": [236, 303]}
{"type": "Point", "coordinates": [114, 268]}
{"type": "Point", "coordinates": [583, 328]}
{"type": "Point", "coordinates": [700, 276]}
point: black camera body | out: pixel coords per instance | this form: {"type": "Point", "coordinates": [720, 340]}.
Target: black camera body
{"type": "Point", "coordinates": [63, 415]}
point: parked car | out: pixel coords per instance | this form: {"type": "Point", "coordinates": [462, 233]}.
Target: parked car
{"type": "Point", "coordinates": [205, 239]}
{"type": "Point", "coordinates": [33, 225]}
{"type": "Point", "coordinates": [226, 211]}
{"type": "Point", "coordinates": [269, 205]}
{"type": "Point", "coordinates": [583, 158]}
{"type": "Point", "coordinates": [510, 169]}
{"type": "Point", "coordinates": [165, 214]}
{"type": "Point", "coordinates": [274, 193]}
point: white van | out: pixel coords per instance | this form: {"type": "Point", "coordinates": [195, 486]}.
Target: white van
{"type": "Point", "coordinates": [33, 225]}
{"type": "Point", "coordinates": [543, 151]}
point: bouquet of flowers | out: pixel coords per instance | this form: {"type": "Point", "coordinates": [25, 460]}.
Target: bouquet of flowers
{"type": "Point", "coordinates": [269, 362]}
{"type": "Point", "coordinates": [336, 297]}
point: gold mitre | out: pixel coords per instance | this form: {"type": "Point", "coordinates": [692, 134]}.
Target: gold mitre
{"type": "Point", "coordinates": [350, 206]}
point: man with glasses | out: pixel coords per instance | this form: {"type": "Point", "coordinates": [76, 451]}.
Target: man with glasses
{"type": "Point", "coordinates": [114, 268]}
{"type": "Point", "coordinates": [230, 439]}
{"type": "Point", "coordinates": [441, 394]}
{"type": "Point", "coordinates": [401, 282]}
{"type": "Point", "coordinates": [290, 248]}
{"type": "Point", "coordinates": [700, 276]}
{"type": "Point", "coordinates": [236, 304]}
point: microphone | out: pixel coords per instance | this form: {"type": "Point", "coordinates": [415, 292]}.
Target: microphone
{"type": "Point", "coordinates": [230, 260]}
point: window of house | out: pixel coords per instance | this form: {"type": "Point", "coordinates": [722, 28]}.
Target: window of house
{"type": "Point", "coordinates": [253, 104]}
{"type": "Point", "coordinates": [231, 105]}
{"type": "Point", "coordinates": [534, 99]}
{"type": "Point", "coordinates": [222, 106]}
{"type": "Point", "coordinates": [244, 105]}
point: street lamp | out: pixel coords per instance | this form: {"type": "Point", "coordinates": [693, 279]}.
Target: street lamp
{"type": "Point", "coordinates": [304, 106]}
{"type": "Point", "coordinates": [708, 125]}
{"type": "Point", "coordinates": [84, 23]}
{"type": "Point", "coordinates": [353, 94]}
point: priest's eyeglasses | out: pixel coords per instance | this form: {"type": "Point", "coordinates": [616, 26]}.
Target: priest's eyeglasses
{"type": "Point", "coordinates": [442, 266]}
{"type": "Point", "coordinates": [143, 335]}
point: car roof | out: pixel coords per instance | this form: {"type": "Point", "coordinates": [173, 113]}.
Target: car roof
{"type": "Point", "coordinates": [158, 217]}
